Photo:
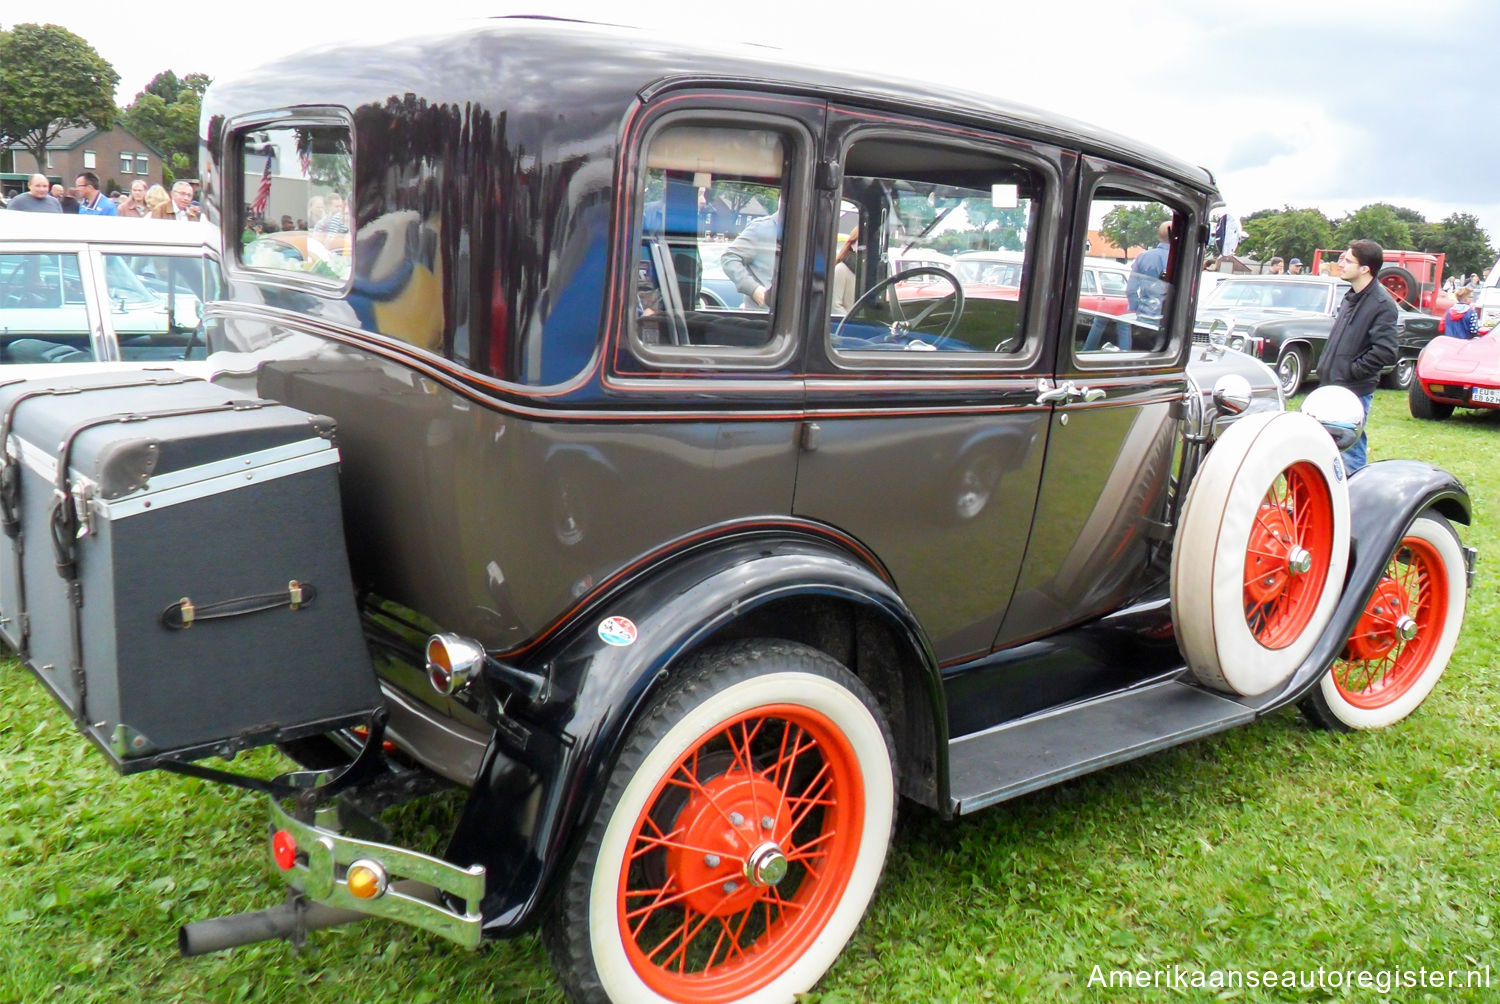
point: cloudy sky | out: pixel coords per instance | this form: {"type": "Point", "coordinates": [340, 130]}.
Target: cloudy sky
{"type": "Point", "coordinates": [1301, 104]}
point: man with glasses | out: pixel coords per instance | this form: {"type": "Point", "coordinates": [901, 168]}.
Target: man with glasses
{"type": "Point", "coordinates": [1362, 341]}
{"type": "Point", "coordinates": [91, 201]}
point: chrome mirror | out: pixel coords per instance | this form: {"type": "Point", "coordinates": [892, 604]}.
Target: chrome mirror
{"type": "Point", "coordinates": [1232, 394]}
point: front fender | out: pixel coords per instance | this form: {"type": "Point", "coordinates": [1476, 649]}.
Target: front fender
{"type": "Point", "coordinates": [1384, 498]}
{"type": "Point", "coordinates": [542, 781]}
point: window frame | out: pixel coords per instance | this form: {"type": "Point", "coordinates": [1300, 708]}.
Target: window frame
{"type": "Point", "coordinates": [142, 164]}
{"type": "Point", "coordinates": [127, 163]}
{"type": "Point", "coordinates": [1039, 254]}
{"type": "Point", "coordinates": [232, 178]}
{"type": "Point", "coordinates": [90, 160]}
{"type": "Point", "coordinates": [784, 333]}
{"type": "Point", "coordinates": [1099, 174]}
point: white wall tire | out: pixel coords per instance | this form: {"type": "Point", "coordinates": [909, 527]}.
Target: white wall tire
{"type": "Point", "coordinates": [1382, 677]}
{"type": "Point", "coordinates": [665, 853]}
{"type": "Point", "coordinates": [1260, 553]}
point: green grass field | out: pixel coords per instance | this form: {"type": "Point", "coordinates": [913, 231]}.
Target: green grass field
{"type": "Point", "coordinates": [1274, 847]}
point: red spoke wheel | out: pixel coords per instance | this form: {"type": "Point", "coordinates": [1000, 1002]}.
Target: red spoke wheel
{"type": "Point", "coordinates": [741, 838]}
{"type": "Point", "coordinates": [1287, 559]}
{"type": "Point", "coordinates": [1260, 552]}
{"type": "Point", "coordinates": [1405, 637]}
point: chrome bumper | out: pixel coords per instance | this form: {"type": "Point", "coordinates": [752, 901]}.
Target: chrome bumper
{"type": "Point", "coordinates": [322, 860]}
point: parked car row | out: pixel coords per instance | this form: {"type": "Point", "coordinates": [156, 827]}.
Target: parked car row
{"type": "Point", "coordinates": [1284, 320]}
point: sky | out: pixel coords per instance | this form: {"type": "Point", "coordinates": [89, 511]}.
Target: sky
{"type": "Point", "coordinates": [1324, 105]}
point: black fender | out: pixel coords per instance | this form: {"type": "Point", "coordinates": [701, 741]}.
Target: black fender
{"type": "Point", "coordinates": [1384, 498]}
{"type": "Point", "coordinates": [547, 767]}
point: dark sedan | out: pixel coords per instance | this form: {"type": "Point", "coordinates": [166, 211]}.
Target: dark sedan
{"type": "Point", "coordinates": [1284, 320]}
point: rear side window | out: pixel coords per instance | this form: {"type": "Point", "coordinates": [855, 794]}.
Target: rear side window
{"type": "Point", "coordinates": [296, 183]}
{"type": "Point", "coordinates": [710, 276]}
{"type": "Point", "coordinates": [43, 310]}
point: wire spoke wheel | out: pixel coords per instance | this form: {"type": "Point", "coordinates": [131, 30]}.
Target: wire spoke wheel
{"type": "Point", "coordinates": [1286, 561]}
{"type": "Point", "coordinates": [1404, 638]}
{"type": "Point", "coordinates": [1399, 630]}
{"type": "Point", "coordinates": [740, 837]}
{"type": "Point", "coordinates": [1261, 548]}
{"type": "Point", "coordinates": [742, 854]}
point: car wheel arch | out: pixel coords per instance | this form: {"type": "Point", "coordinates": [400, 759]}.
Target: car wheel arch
{"type": "Point", "coordinates": [847, 610]}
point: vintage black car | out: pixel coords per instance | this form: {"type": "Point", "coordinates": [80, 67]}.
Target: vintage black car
{"type": "Point", "coordinates": [1284, 320]}
{"type": "Point", "coordinates": [685, 598]}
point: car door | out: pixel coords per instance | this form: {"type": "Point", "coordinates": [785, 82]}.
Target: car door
{"type": "Point", "coordinates": [1116, 386]}
{"type": "Point", "coordinates": [924, 438]}
{"type": "Point", "coordinates": [152, 299]}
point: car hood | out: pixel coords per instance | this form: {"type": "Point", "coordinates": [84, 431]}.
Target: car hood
{"type": "Point", "coordinates": [1251, 315]}
{"type": "Point", "coordinates": [1461, 359]}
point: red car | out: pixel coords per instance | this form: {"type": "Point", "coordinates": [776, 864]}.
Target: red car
{"type": "Point", "coordinates": [1456, 373]}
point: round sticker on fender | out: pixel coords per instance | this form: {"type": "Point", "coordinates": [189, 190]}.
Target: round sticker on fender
{"type": "Point", "coordinates": [617, 631]}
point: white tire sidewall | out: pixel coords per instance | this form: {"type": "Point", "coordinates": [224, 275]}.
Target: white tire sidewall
{"type": "Point", "coordinates": [616, 974]}
{"type": "Point", "coordinates": [1443, 541]}
{"type": "Point", "coordinates": [1208, 560]}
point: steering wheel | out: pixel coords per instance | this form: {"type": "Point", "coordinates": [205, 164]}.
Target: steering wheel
{"type": "Point", "coordinates": [903, 324]}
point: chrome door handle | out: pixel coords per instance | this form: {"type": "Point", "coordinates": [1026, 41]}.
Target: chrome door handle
{"type": "Point", "coordinates": [1047, 393]}
{"type": "Point", "coordinates": [1089, 393]}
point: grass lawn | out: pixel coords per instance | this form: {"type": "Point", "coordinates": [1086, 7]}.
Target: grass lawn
{"type": "Point", "coordinates": [1273, 847]}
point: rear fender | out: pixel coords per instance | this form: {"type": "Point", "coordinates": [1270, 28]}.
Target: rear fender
{"type": "Point", "coordinates": [1384, 498]}
{"type": "Point", "coordinates": [543, 778]}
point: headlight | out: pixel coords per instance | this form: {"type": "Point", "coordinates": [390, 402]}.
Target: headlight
{"type": "Point", "coordinates": [1237, 342]}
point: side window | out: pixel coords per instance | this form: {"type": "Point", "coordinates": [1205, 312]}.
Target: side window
{"type": "Point", "coordinates": [43, 313]}
{"type": "Point", "coordinates": [296, 186]}
{"type": "Point", "coordinates": [1136, 240]}
{"type": "Point", "coordinates": [932, 252]}
{"type": "Point", "coordinates": [156, 302]}
{"type": "Point", "coordinates": [710, 267]}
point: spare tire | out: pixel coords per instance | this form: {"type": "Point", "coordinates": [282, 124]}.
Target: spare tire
{"type": "Point", "coordinates": [1402, 285]}
{"type": "Point", "coordinates": [1260, 552]}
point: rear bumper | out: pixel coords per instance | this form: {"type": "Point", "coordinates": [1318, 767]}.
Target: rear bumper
{"type": "Point", "coordinates": [421, 886]}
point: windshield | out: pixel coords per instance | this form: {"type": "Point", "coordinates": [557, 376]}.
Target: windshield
{"type": "Point", "coordinates": [1271, 295]}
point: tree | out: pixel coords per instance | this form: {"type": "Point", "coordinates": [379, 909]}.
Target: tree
{"type": "Point", "coordinates": [1377, 222]}
{"type": "Point", "coordinates": [52, 80]}
{"type": "Point", "coordinates": [165, 115]}
{"type": "Point", "coordinates": [1461, 239]}
{"type": "Point", "coordinates": [1288, 233]}
{"type": "Point", "coordinates": [1133, 225]}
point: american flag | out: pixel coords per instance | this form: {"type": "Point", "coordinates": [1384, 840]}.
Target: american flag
{"type": "Point", "coordinates": [263, 194]}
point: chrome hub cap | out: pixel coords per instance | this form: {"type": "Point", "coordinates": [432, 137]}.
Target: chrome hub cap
{"type": "Point", "coordinates": [766, 865]}
{"type": "Point", "coordinates": [1406, 628]}
{"type": "Point", "coordinates": [1299, 561]}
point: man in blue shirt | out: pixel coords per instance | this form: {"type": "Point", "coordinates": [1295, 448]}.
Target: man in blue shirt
{"type": "Point", "coordinates": [91, 201]}
{"type": "Point", "coordinates": [1146, 289]}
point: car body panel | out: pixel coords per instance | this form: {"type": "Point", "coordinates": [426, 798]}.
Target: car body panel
{"type": "Point", "coordinates": [1462, 371]}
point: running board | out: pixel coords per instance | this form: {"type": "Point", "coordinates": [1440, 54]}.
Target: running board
{"type": "Point", "coordinates": [1035, 752]}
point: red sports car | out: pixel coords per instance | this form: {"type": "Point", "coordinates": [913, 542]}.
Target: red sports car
{"type": "Point", "coordinates": [1456, 373]}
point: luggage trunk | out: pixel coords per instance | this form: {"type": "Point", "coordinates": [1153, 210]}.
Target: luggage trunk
{"type": "Point", "coordinates": [184, 590]}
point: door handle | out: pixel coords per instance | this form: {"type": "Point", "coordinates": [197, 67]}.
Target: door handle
{"type": "Point", "coordinates": [1047, 393]}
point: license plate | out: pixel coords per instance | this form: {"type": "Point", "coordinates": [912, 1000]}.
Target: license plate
{"type": "Point", "coordinates": [1486, 395]}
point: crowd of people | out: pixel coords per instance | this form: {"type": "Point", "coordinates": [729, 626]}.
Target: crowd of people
{"type": "Point", "coordinates": [143, 201]}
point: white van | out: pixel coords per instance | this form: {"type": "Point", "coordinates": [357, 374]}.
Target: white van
{"type": "Point", "coordinates": [1487, 299]}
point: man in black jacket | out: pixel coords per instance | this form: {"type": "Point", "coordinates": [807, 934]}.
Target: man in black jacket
{"type": "Point", "coordinates": [1362, 341]}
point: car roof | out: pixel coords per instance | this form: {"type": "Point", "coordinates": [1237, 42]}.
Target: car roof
{"type": "Point", "coordinates": [67, 227]}
{"type": "Point", "coordinates": [1107, 263]}
{"type": "Point", "coordinates": [1267, 277]}
{"type": "Point", "coordinates": [495, 64]}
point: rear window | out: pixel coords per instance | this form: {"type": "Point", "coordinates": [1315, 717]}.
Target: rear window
{"type": "Point", "coordinates": [296, 182]}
